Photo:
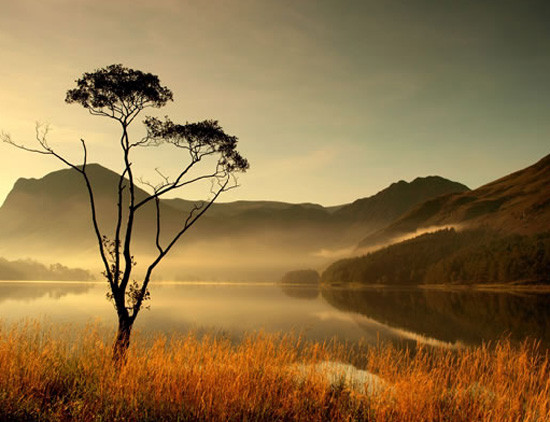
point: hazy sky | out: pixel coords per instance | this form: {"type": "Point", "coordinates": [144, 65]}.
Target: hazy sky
{"type": "Point", "coordinates": [331, 100]}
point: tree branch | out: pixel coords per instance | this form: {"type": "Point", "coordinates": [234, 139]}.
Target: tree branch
{"type": "Point", "coordinates": [157, 209]}
{"type": "Point", "coordinates": [178, 184]}
{"type": "Point", "coordinates": [189, 222]}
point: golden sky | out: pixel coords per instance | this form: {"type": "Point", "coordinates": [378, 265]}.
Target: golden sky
{"type": "Point", "coordinates": [331, 100]}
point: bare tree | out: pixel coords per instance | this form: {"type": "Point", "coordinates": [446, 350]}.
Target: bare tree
{"type": "Point", "coordinates": [121, 94]}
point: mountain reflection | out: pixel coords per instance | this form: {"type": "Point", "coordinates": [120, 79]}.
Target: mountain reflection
{"type": "Point", "coordinates": [451, 316]}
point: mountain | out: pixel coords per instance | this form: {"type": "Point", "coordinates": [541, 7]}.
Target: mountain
{"type": "Point", "coordinates": [365, 216]}
{"type": "Point", "coordinates": [49, 219]}
{"type": "Point", "coordinates": [374, 211]}
{"type": "Point", "coordinates": [517, 203]}
{"type": "Point", "coordinates": [54, 211]}
{"type": "Point", "coordinates": [390, 203]}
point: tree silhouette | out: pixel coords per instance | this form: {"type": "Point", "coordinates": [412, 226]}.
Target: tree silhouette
{"type": "Point", "coordinates": [121, 94]}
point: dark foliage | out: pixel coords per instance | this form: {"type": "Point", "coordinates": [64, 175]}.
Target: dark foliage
{"type": "Point", "coordinates": [301, 277]}
{"type": "Point", "coordinates": [200, 139]}
{"type": "Point", "coordinates": [118, 88]}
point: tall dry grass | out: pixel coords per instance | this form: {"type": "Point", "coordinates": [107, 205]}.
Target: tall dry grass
{"type": "Point", "coordinates": [45, 374]}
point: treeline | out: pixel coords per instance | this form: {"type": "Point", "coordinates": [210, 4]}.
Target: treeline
{"type": "Point", "coordinates": [305, 277]}
{"type": "Point", "coordinates": [32, 270]}
{"type": "Point", "coordinates": [448, 256]}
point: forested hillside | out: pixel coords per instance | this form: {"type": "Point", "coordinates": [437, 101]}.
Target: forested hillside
{"type": "Point", "coordinates": [450, 256]}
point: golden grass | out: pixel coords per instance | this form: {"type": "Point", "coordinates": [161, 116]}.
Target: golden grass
{"type": "Point", "coordinates": [45, 376]}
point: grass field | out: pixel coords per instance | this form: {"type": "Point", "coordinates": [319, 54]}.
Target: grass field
{"type": "Point", "coordinates": [51, 373]}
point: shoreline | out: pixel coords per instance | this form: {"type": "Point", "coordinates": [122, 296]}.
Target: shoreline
{"type": "Point", "coordinates": [493, 287]}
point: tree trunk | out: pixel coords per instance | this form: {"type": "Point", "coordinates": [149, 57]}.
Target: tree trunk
{"type": "Point", "coordinates": [122, 340]}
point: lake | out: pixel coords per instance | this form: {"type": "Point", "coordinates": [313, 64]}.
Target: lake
{"type": "Point", "coordinates": [402, 316]}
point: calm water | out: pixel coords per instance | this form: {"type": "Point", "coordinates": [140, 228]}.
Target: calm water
{"type": "Point", "coordinates": [442, 318]}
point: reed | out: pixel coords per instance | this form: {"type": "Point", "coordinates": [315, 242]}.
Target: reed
{"type": "Point", "coordinates": [53, 373]}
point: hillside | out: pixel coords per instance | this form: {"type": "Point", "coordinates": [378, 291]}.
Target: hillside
{"type": "Point", "coordinates": [517, 203]}
{"type": "Point", "coordinates": [450, 257]}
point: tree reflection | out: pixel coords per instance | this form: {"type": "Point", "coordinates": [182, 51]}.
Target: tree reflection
{"type": "Point", "coordinates": [300, 292]}
{"type": "Point", "coordinates": [35, 290]}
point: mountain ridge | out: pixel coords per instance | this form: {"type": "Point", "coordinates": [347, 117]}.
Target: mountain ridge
{"type": "Point", "coordinates": [515, 203]}
{"type": "Point", "coordinates": [398, 198]}
{"type": "Point", "coordinates": [50, 217]}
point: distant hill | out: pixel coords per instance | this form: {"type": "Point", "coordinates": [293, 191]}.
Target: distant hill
{"type": "Point", "coordinates": [49, 219]}
{"type": "Point", "coordinates": [232, 209]}
{"type": "Point", "coordinates": [517, 203]}
{"type": "Point", "coordinates": [32, 270]}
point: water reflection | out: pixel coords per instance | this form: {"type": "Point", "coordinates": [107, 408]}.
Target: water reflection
{"type": "Point", "coordinates": [451, 316]}
{"type": "Point", "coordinates": [300, 292]}
{"type": "Point", "coordinates": [407, 317]}
{"type": "Point", "coordinates": [28, 290]}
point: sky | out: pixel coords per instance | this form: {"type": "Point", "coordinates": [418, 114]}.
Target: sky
{"type": "Point", "coordinates": [331, 100]}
